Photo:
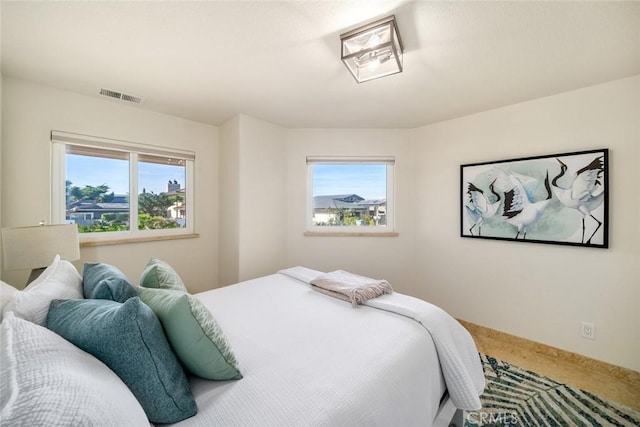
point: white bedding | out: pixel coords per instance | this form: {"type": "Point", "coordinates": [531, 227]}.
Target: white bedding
{"type": "Point", "coordinates": [457, 352]}
{"type": "Point", "coordinates": [310, 360]}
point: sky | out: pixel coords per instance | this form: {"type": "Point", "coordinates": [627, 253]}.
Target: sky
{"type": "Point", "coordinates": [368, 181]}
{"type": "Point", "coordinates": [94, 171]}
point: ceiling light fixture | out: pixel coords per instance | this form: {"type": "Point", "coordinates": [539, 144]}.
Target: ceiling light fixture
{"type": "Point", "coordinates": [373, 50]}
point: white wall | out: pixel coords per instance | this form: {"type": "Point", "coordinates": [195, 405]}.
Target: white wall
{"type": "Point", "coordinates": [253, 167]}
{"type": "Point", "coordinates": [229, 177]}
{"type": "Point", "coordinates": [31, 111]}
{"type": "Point", "coordinates": [262, 200]}
{"type": "Point", "coordinates": [540, 292]}
{"type": "Point", "coordinates": [0, 165]}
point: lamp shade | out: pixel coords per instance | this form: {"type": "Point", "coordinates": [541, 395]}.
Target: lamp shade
{"type": "Point", "coordinates": [26, 248]}
{"type": "Point", "coordinates": [373, 50]}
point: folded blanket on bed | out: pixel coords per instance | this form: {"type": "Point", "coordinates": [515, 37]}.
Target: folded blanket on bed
{"type": "Point", "coordinates": [458, 354]}
{"type": "Point", "coordinates": [350, 287]}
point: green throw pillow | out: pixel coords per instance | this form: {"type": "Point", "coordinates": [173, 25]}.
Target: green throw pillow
{"type": "Point", "coordinates": [195, 336]}
{"type": "Point", "coordinates": [128, 338]}
{"type": "Point", "coordinates": [104, 281]}
{"type": "Point", "coordinates": [158, 274]}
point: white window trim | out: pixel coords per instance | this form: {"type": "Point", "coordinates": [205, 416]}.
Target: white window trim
{"type": "Point", "coordinates": [352, 231]}
{"type": "Point", "coordinates": [60, 139]}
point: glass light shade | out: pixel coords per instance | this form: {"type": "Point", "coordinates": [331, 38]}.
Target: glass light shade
{"type": "Point", "coordinates": [26, 248]}
{"type": "Point", "coordinates": [373, 50]}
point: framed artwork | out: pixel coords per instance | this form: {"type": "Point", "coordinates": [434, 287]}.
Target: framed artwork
{"type": "Point", "coordinates": [559, 198]}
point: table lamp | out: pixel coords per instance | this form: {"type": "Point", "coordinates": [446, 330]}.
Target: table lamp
{"type": "Point", "coordinates": [35, 247]}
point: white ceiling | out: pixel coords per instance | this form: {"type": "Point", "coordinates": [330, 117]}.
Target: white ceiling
{"type": "Point", "coordinates": [280, 61]}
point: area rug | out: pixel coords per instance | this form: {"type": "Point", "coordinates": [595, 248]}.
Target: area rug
{"type": "Point", "coordinates": [517, 397]}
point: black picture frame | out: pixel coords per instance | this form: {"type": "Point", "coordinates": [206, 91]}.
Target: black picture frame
{"type": "Point", "coordinates": [557, 199]}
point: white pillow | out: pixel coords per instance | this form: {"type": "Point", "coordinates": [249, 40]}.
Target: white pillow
{"type": "Point", "coordinates": [6, 294]}
{"type": "Point", "coordinates": [60, 280]}
{"type": "Point", "coordinates": [45, 380]}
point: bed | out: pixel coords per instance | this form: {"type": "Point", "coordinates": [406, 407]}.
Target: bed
{"type": "Point", "coordinates": [308, 359]}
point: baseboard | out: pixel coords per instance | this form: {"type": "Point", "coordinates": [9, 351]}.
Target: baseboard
{"type": "Point", "coordinates": [488, 339]}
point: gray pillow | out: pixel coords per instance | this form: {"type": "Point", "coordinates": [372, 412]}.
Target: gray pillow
{"type": "Point", "coordinates": [128, 338]}
{"type": "Point", "coordinates": [104, 281]}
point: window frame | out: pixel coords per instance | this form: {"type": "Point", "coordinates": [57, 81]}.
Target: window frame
{"type": "Point", "coordinates": [59, 142]}
{"type": "Point", "coordinates": [348, 230]}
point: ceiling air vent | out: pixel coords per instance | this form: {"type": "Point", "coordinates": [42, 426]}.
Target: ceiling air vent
{"type": "Point", "coordinates": [121, 96]}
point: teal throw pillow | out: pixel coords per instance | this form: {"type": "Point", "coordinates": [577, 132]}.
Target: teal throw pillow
{"type": "Point", "coordinates": [158, 274]}
{"type": "Point", "coordinates": [128, 338]}
{"type": "Point", "coordinates": [194, 334]}
{"type": "Point", "coordinates": [104, 281]}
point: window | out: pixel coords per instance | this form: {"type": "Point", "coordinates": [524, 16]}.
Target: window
{"type": "Point", "coordinates": [350, 195]}
{"type": "Point", "coordinates": [94, 178]}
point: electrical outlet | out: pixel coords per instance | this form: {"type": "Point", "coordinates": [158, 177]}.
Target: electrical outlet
{"type": "Point", "coordinates": [588, 330]}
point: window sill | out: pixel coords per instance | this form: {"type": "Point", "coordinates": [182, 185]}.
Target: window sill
{"type": "Point", "coordinates": [93, 243]}
{"type": "Point", "coordinates": [350, 234]}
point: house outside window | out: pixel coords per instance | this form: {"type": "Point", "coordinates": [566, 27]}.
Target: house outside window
{"type": "Point", "coordinates": [350, 195]}
{"type": "Point", "coordinates": [93, 179]}
{"type": "Point", "coordinates": [348, 209]}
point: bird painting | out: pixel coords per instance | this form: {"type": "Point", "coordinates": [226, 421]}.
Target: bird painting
{"type": "Point", "coordinates": [520, 207]}
{"type": "Point", "coordinates": [585, 191]}
{"type": "Point", "coordinates": [480, 207]}
{"type": "Point", "coordinates": [559, 198]}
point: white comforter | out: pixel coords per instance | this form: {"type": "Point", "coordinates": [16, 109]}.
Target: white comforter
{"type": "Point", "coordinates": [312, 360]}
{"type": "Point", "coordinates": [457, 352]}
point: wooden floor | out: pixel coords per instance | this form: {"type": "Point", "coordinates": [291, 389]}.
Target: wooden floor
{"type": "Point", "coordinates": [607, 381]}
